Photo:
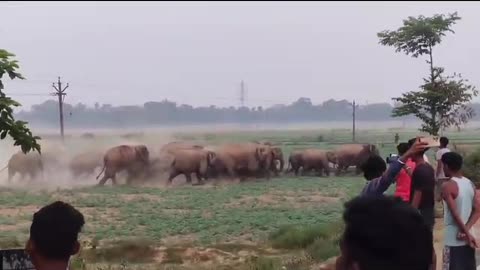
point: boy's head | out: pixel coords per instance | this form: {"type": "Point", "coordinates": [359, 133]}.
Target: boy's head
{"type": "Point", "coordinates": [402, 148]}
{"type": "Point", "coordinates": [54, 233]}
{"type": "Point", "coordinates": [384, 233]}
{"type": "Point", "coordinates": [443, 142]}
{"type": "Point", "coordinates": [374, 167]}
{"type": "Point", "coordinates": [452, 163]}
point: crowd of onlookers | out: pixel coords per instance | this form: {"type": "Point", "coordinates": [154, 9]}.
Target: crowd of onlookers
{"type": "Point", "coordinates": [381, 232]}
{"type": "Point", "coordinates": [396, 232]}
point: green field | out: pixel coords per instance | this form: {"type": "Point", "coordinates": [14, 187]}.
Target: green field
{"type": "Point", "coordinates": [223, 226]}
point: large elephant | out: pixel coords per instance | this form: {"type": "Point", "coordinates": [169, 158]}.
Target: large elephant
{"type": "Point", "coordinates": [161, 160]}
{"type": "Point", "coordinates": [188, 161]}
{"type": "Point", "coordinates": [25, 164]}
{"type": "Point", "coordinates": [243, 159]}
{"type": "Point", "coordinates": [311, 159]}
{"type": "Point", "coordinates": [354, 155]}
{"type": "Point", "coordinates": [85, 163]}
{"type": "Point", "coordinates": [318, 160]}
{"type": "Point", "coordinates": [132, 158]}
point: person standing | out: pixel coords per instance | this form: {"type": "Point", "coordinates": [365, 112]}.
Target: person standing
{"type": "Point", "coordinates": [461, 212]}
{"type": "Point", "coordinates": [440, 175]}
{"type": "Point", "coordinates": [404, 179]}
{"type": "Point", "coordinates": [423, 186]}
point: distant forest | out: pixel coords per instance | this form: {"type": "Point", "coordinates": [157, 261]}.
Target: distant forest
{"type": "Point", "coordinates": [167, 112]}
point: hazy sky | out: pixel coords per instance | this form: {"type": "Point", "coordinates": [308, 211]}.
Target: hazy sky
{"type": "Point", "coordinates": [197, 53]}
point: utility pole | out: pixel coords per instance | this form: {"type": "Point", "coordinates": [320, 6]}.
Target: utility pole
{"type": "Point", "coordinates": [353, 131]}
{"type": "Point", "coordinates": [60, 93]}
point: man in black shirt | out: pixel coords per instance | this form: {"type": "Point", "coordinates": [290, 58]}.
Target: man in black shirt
{"type": "Point", "coordinates": [423, 187]}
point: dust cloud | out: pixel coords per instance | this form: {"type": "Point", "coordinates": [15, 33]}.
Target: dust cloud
{"type": "Point", "coordinates": [57, 156]}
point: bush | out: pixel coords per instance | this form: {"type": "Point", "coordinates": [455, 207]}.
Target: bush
{"type": "Point", "coordinates": [320, 138]}
{"type": "Point", "coordinates": [292, 237]}
{"type": "Point", "coordinates": [471, 167]}
{"type": "Point", "coordinates": [322, 249]}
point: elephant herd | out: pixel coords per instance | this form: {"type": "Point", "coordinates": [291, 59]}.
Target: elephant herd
{"type": "Point", "coordinates": [230, 161]}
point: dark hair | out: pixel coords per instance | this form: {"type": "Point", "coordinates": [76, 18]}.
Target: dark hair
{"type": "Point", "coordinates": [412, 141]}
{"type": "Point", "coordinates": [443, 141]}
{"type": "Point", "coordinates": [386, 233]}
{"type": "Point", "coordinates": [374, 167]}
{"type": "Point", "coordinates": [453, 160]}
{"type": "Point", "coordinates": [55, 229]}
{"type": "Point", "coordinates": [402, 148]}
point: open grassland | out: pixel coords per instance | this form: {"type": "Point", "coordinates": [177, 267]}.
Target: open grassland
{"type": "Point", "coordinates": [284, 223]}
{"type": "Point", "coordinates": [231, 218]}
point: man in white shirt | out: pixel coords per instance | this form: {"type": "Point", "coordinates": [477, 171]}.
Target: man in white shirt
{"type": "Point", "coordinates": [440, 174]}
{"type": "Point", "coordinates": [442, 150]}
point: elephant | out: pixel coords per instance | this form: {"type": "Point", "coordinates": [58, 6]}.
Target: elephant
{"type": "Point", "coordinates": [162, 159]}
{"type": "Point", "coordinates": [354, 155]}
{"type": "Point", "coordinates": [25, 164]}
{"type": "Point", "coordinates": [243, 159]}
{"type": "Point", "coordinates": [85, 163]}
{"type": "Point", "coordinates": [311, 159]}
{"type": "Point", "coordinates": [188, 161]}
{"type": "Point", "coordinates": [317, 159]}
{"type": "Point", "coordinates": [132, 158]}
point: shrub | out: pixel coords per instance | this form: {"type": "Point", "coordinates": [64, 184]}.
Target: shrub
{"type": "Point", "coordinates": [322, 249]}
{"type": "Point", "coordinates": [292, 237]}
{"type": "Point", "coordinates": [320, 138]}
{"type": "Point", "coordinates": [471, 167]}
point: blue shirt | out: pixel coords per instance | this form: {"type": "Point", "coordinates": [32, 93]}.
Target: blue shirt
{"type": "Point", "coordinates": [378, 186]}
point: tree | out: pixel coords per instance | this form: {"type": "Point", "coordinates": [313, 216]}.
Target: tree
{"type": "Point", "coordinates": [16, 129]}
{"type": "Point", "coordinates": [442, 101]}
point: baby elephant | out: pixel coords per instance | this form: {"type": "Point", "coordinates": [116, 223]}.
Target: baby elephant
{"type": "Point", "coordinates": [188, 161]}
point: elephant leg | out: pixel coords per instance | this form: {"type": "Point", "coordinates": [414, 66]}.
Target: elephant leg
{"type": "Point", "coordinates": [11, 174]}
{"type": "Point", "coordinates": [295, 169]}
{"type": "Point", "coordinates": [305, 170]}
{"type": "Point", "coordinates": [173, 174]}
{"type": "Point", "coordinates": [339, 169]}
{"type": "Point", "coordinates": [129, 179]}
{"type": "Point", "coordinates": [104, 180]}
{"type": "Point", "coordinates": [199, 178]}
{"type": "Point", "coordinates": [188, 176]}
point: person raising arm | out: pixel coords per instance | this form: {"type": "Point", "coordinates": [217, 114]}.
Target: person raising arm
{"type": "Point", "coordinates": [379, 177]}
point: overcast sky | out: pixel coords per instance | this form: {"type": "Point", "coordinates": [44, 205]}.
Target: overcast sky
{"type": "Point", "coordinates": [197, 53]}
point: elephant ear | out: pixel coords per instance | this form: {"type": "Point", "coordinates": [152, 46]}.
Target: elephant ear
{"type": "Point", "coordinates": [258, 153]}
{"type": "Point", "coordinates": [142, 153]}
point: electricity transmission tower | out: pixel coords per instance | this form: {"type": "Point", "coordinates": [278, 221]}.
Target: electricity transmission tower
{"type": "Point", "coordinates": [60, 93]}
{"type": "Point", "coordinates": [243, 94]}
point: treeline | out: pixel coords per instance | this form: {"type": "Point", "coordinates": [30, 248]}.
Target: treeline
{"type": "Point", "coordinates": [167, 112]}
